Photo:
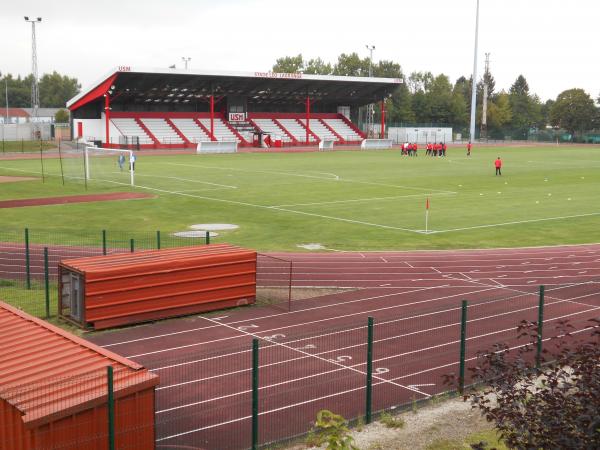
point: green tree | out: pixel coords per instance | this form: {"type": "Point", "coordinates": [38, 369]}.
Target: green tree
{"type": "Point", "coordinates": [574, 110]}
{"type": "Point", "coordinates": [499, 115]}
{"type": "Point", "coordinates": [526, 108]}
{"type": "Point", "coordinates": [289, 64]}
{"type": "Point", "coordinates": [19, 91]}
{"type": "Point", "coordinates": [317, 66]}
{"type": "Point", "coordinates": [61, 116]}
{"type": "Point", "coordinates": [351, 65]}
{"type": "Point", "coordinates": [56, 89]}
{"type": "Point", "coordinates": [387, 69]}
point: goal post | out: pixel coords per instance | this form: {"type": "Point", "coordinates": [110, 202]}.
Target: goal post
{"type": "Point", "coordinates": [109, 165]}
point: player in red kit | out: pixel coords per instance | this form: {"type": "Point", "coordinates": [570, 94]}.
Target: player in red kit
{"type": "Point", "coordinates": [498, 164]}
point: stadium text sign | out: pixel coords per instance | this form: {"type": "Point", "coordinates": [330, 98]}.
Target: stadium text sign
{"type": "Point", "coordinates": [237, 117]}
{"type": "Point", "coordinates": [277, 75]}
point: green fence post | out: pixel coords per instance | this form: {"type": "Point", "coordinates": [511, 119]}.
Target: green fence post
{"type": "Point", "coordinates": [463, 339]}
{"type": "Point", "coordinates": [47, 281]}
{"type": "Point", "coordinates": [110, 406]}
{"type": "Point", "coordinates": [132, 245]}
{"type": "Point", "coordinates": [158, 240]}
{"type": "Point", "coordinates": [368, 413]}
{"type": "Point", "coordinates": [27, 263]}
{"type": "Point", "coordinates": [540, 328]}
{"type": "Point", "coordinates": [254, 394]}
{"type": "Point", "coordinates": [207, 237]}
{"type": "Point", "coordinates": [104, 242]}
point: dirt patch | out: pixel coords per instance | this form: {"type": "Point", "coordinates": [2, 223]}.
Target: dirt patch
{"type": "Point", "coordinates": [449, 420]}
{"type": "Point", "coordinates": [4, 179]}
{"type": "Point", "coordinates": [73, 199]}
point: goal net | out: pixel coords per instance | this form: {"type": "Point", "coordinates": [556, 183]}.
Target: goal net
{"type": "Point", "coordinates": [109, 165]}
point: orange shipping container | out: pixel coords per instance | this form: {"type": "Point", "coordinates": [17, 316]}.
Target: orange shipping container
{"type": "Point", "coordinates": [54, 391]}
{"type": "Point", "coordinates": [107, 291]}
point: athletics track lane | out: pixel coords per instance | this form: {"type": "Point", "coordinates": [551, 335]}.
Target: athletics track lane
{"type": "Point", "coordinates": [314, 356]}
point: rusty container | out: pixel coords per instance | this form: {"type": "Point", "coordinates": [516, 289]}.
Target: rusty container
{"type": "Point", "coordinates": [54, 390]}
{"type": "Point", "coordinates": [107, 291]}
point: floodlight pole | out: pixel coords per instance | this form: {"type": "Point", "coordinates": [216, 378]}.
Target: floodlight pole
{"type": "Point", "coordinates": [35, 94]}
{"type": "Point", "coordinates": [474, 79]}
{"type": "Point", "coordinates": [370, 109]}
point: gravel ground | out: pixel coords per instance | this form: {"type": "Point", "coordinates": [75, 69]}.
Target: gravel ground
{"type": "Point", "coordinates": [449, 420]}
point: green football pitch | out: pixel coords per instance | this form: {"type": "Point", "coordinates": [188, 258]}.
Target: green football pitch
{"type": "Point", "coordinates": [342, 200]}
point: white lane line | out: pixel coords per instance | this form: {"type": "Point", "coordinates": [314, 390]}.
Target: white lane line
{"type": "Point", "coordinates": [361, 313]}
{"type": "Point", "coordinates": [349, 330]}
{"type": "Point", "coordinates": [516, 222]}
{"type": "Point", "coordinates": [325, 360]}
{"type": "Point", "coordinates": [411, 290]}
{"type": "Point", "coordinates": [381, 381]}
{"type": "Point", "coordinates": [349, 347]}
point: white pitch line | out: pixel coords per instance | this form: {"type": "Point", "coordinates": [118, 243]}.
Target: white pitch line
{"type": "Point", "coordinates": [186, 180]}
{"type": "Point", "coordinates": [293, 174]}
{"type": "Point", "coordinates": [272, 208]}
{"type": "Point", "coordinates": [516, 222]}
{"type": "Point", "coordinates": [358, 200]}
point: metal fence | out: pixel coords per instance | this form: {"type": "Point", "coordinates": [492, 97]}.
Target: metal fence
{"type": "Point", "coordinates": [249, 389]}
{"type": "Point", "coordinates": [29, 264]}
{"type": "Point", "coordinates": [268, 389]}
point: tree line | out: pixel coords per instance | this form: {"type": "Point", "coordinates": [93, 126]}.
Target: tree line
{"type": "Point", "coordinates": [424, 97]}
{"type": "Point", "coordinates": [55, 89]}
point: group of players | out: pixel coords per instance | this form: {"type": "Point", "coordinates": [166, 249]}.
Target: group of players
{"type": "Point", "coordinates": [432, 149]}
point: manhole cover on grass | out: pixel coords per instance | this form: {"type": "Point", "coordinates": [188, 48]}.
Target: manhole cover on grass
{"type": "Point", "coordinates": [311, 246]}
{"type": "Point", "coordinates": [214, 226]}
{"type": "Point", "coordinates": [194, 234]}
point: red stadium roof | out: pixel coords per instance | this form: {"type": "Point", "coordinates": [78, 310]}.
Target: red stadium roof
{"type": "Point", "coordinates": [136, 85]}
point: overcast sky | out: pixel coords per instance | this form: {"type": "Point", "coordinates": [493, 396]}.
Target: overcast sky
{"type": "Point", "coordinates": [553, 43]}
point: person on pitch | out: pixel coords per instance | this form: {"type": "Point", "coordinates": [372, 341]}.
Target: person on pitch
{"type": "Point", "coordinates": [498, 164]}
{"type": "Point", "coordinates": [429, 149]}
{"type": "Point", "coordinates": [132, 159]}
{"type": "Point", "coordinates": [121, 161]}
{"type": "Point", "coordinates": [469, 148]}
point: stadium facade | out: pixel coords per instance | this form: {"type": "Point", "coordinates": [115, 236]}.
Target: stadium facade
{"type": "Point", "coordinates": [169, 108]}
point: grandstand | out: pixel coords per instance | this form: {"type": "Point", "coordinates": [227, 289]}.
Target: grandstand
{"type": "Point", "coordinates": [169, 108]}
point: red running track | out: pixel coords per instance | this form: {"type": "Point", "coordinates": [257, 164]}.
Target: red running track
{"type": "Point", "coordinates": [314, 357]}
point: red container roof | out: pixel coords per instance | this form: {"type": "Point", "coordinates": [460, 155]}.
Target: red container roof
{"type": "Point", "coordinates": [47, 373]}
{"type": "Point", "coordinates": [173, 257]}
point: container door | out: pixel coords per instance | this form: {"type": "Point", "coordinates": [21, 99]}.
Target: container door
{"type": "Point", "coordinates": [76, 298]}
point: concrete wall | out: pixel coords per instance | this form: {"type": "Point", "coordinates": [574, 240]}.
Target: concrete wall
{"type": "Point", "coordinates": [25, 131]}
{"type": "Point", "coordinates": [420, 135]}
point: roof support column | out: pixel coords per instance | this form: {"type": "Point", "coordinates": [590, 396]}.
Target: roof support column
{"type": "Point", "coordinates": [107, 118]}
{"type": "Point", "coordinates": [382, 136]}
{"type": "Point", "coordinates": [307, 119]}
{"type": "Point", "coordinates": [212, 117]}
